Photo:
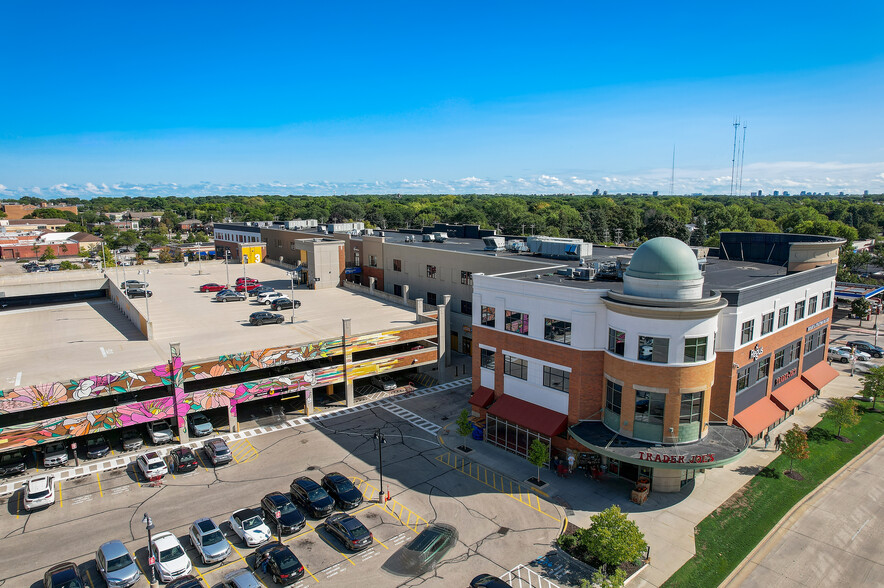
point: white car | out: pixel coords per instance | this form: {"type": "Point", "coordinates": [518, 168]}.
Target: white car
{"type": "Point", "coordinates": [152, 465]}
{"type": "Point", "coordinates": [268, 297]}
{"type": "Point", "coordinates": [171, 559]}
{"type": "Point", "coordinates": [842, 353]}
{"type": "Point", "coordinates": [39, 492]}
{"type": "Point", "coordinates": [160, 432]}
{"type": "Point", "coordinates": [250, 527]}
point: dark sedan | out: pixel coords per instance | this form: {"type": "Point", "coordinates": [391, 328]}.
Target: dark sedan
{"type": "Point", "coordinates": [211, 287]}
{"type": "Point", "coordinates": [865, 347]}
{"type": "Point", "coordinates": [183, 460]}
{"type": "Point", "coordinates": [63, 575]}
{"type": "Point", "coordinates": [312, 497]}
{"type": "Point", "coordinates": [282, 564]}
{"type": "Point", "coordinates": [342, 491]}
{"type": "Point", "coordinates": [228, 295]}
{"type": "Point", "coordinates": [12, 463]}
{"type": "Point", "coordinates": [349, 531]}
{"type": "Point", "coordinates": [186, 582]}
{"type": "Point", "coordinates": [284, 303]}
{"type": "Point", "coordinates": [138, 293]}
{"type": "Point", "coordinates": [290, 519]}
{"type": "Point", "coordinates": [262, 317]}
{"type": "Point", "coordinates": [488, 581]}
{"type": "Point", "coordinates": [96, 447]}
{"type": "Point", "coordinates": [260, 290]}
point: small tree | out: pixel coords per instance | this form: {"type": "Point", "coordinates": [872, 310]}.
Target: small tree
{"type": "Point", "coordinates": [538, 454]}
{"type": "Point", "coordinates": [164, 256]}
{"type": "Point", "coordinates": [464, 426]}
{"type": "Point", "coordinates": [794, 445]}
{"type": "Point", "coordinates": [843, 412]}
{"type": "Point", "coordinates": [873, 384]}
{"type": "Point", "coordinates": [612, 538]}
{"type": "Point", "coordinates": [601, 580]}
{"type": "Point", "coordinates": [860, 307]}
{"type": "Point", "coordinates": [48, 254]}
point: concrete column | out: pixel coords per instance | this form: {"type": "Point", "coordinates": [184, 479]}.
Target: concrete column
{"type": "Point", "coordinates": [446, 324]}
{"type": "Point", "coordinates": [418, 309]}
{"type": "Point", "coordinates": [442, 358]}
{"type": "Point", "coordinates": [308, 401]}
{"type": "Point", "coordinates": [231, 418]}
{"type": "Point", "coordinates": [176, 381]}
{"type": "Point", "coordinates": [371, 285]}
{"type": "Point", "coordinates": [405, 294]}
{"type": "Point", "coordinates": [348, 360]}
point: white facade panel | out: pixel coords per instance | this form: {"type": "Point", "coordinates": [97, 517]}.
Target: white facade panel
{"type": "Point", "coordinates": [486, 378]}
{"type": "Point", "coordinates": [535, 393]}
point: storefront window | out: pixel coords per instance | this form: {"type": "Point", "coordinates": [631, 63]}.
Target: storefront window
{"type": "Point", "coordinates": [613, 395]}
{"type": "Point", "coordinates": [616, 341]}
{"type": "Point", "coordinates": [655, 349]}
{"type": "Point", "coordinates": [558, 331]}
{"type": "Point", "coordinates": [691, 406]}
{"type": "Point", "coordinates": [488, 316]}
{"type": "Point", "coordinates": [516, 322]}
{"type": "Point", "coordinates": [556, 379]}
{"type": "Point", "coordinates": [487, 358]}
{"type": "Point", "coordinates": [513, 366]}
{"type": "Point", "coordinates": [511, 437]}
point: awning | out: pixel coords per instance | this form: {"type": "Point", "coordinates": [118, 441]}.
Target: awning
{"type": "Point", "coordinates": [759, 416]}
{"type": "Point", "coordinates": [482, 397]}
{"type": "Point", "coordinates": [820, 375]}
{"type": "Point", "coordinates": [529, 415]}
{"type": "Point", "coordinates": [792, 394]}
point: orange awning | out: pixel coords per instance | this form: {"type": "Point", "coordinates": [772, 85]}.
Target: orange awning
{"type": "Point", "coordinates": [820, 375]}
{"type": "Point", "coordinates": [482, 397]}
{"type": "Point", "coordinates": [529, 415]}
{"type": "Point", "coordinates": [759, 416]}
{"type": "Point", "coordinates": [792, 394]}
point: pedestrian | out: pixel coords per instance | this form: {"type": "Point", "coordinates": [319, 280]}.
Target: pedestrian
{"type": "Point", "coordinates": [570, 463]}
{"type": "Point", "coordinates": [777, 442]}
{"type": "Point", "coordinates": [265, 559]}
{"type": "Point", "coordinates": [766, 440]}
{"type": "Point", "coordinates": [555, 464]}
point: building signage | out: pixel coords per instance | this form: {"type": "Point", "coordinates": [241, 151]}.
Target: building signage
{"type": "Point", "coordinates": [468, 329]}
{"type": "Point", "coordinates": [818, 324]}
{"type": "Point", "coordinates": [656, 457]}
{"type": "Point", "coordinates": [786, 376]}
{"type": "Point", "coordinates": [756, 352]}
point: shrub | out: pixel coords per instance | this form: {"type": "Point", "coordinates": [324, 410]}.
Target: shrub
{"type": "Point", "coordinates": [612, 538]}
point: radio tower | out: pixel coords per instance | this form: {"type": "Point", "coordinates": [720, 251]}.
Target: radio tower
{"type": "Point", "coordinates": [734, 158]}
{"type": "Point", "coordinates": [742, 156]}
{"type": "Point", "coordinates": [672, 177]}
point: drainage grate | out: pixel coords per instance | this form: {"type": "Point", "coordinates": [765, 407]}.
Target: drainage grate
{"type": "Point", "coordinates": [503, 530]}
{"type": "Point", "coordinates": [311, 468]}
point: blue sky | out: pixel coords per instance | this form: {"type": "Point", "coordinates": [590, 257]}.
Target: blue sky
{"type": "Point", "coordinates": [293, 97]}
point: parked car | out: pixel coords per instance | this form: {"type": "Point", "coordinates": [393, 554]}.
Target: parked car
{"type": "Point", "coordinates": [54, 267]}
{"type": "Point", "coordinates": [261, 290]}
{"type": "Point", "coordinates": [160, 432]}
{"type": "Point", "coordinates": [208, 540]}
{"type": "Point", "coordinates": [41, 268]}
{"type": "Point", "coordinates": [211, 287]}
{"type": "Point", "coordinates": [352, 533]}
{"type": "Point", "coordinates": [39, 492]}
{"type": "Point", "coordinates": [843, 354]}
{"type": "Point", "coordinates": [263, 317]}
{"type": "Point", "coordinates": [246, 280]}
{"type": "Point", "coordinates": [218, 451]}
{"type": "Point", "coordinates": [383, 382]}
{"type": "Point", "coordinates": [200, 425]}
{"type": "Point", "coordinates": [152, 466]}
{"type": "Point", "coordinates": [342, 490]}
{"type": "Point", "coordinates": [228, 295]}
{"type": "Point", "coordinates": [63, 575]}
{"type": "Point", "coordinates": [132, 284]}
{"type": "Point", "coordinates": [171, 559]}
{"type": "Point", "coordinates": [55, 454]}
{"type": "Point", "coordinates": [268, 297]}
{"type": "Point", "coordinates": [97, 447]}
{"type": "Point", "coordinates": [873, 350]}
{"type": "Point", "coordinates": [138, 293]}
{"type": "Point", "coordinates": [312, 497]}
{"type": "Point", "coordinates": [182, 460]}
{"type": "Point", "coordinates": [186, 582]}
{"type": "Point", "coordinates": [241, 579]}
{"type": "Point", "coordinates": [13, 463]}
{"type": "Point", "coordinates": [247, 287]}
{"type": "Point", "coordinates": [116, 565]}
{"type": "Point", "coordinates": [249, 526]}
{"type": "Point", "coordinates": [488, 581]}
{"type": "Point", "coordinates": [290, 519]}
{"type": "Point", "coordinates": [131, 439]}
{"type": "Point", "coordinates": [426, 550]}
{"type": "Point", "coordinates": [282, 564]}
{"type": "Point", "coordinates": [284, 303]}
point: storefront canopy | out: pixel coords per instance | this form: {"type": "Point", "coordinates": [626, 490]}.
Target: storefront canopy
{"type": "Point", "coordinates": [820, 375]}
{"type": "Point", "coordinates": [721, 445]}
{"type": "Point", "coordinates": [850, 290]}
{"type": "Point", "coordinates": [482, 397]}
{"type": "Point", "coordinates": [790, 395]}
{"type": "Point", "coordinates": [759, 416]}
{"type": "Point", "coordinates": [531, 416]}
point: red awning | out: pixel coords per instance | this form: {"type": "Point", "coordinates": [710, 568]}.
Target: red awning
{"type": "Point", "coordinates": [529, 415]}
{"type": "Point", "coordinates": [792, 394]}
{"type": "Point", "coordinates": [759, 416]}
{"type": "Point", "coordinates": [482, 397]}
{"type": "Point", "coordinates": [820, 375]}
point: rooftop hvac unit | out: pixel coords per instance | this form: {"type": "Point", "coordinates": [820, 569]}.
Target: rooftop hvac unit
{"type": "Point", "coordinates": [440, 237]}
{"type": "Point", "coordinates": [517, 246]}
{"type": "Point", "coordinates": [427, 237]}
{"type": "Point", "coordinates": [494, 243]}
{"type": "Point", "coordinates": [584, 274]}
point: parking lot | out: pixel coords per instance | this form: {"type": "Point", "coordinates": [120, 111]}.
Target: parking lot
{"type": "Point", "coordinates": [499, 526]}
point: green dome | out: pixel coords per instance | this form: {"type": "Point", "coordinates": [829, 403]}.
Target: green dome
{"type": "Point", "coordinates": [664, 258]}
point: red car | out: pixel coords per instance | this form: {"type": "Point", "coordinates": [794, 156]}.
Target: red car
{"type": "Point", "coordinates": [247, 280]}
{"type": "Point", "coordinates": [247, 287]}
{"type": "Point", "coordinates": [211, 288]}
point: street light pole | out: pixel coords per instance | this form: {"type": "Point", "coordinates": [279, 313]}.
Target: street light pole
{"type": "Point", "coordinates": [146, 297]}
{"type": "Point", "coordinates": [227, 265]}
{"type": "Point", "coordinates": [292, 275]}
{"type": "Point", "coordinates": [381, 440]}
{"type": "Point", "coordinates": [148, 523]}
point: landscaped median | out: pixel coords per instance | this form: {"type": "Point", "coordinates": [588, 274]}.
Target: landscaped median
{"type": "Point", "coordinates": [728, 535]}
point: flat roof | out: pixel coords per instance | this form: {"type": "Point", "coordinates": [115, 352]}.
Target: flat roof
{"type": "Point", "coordinates": [77, 340]}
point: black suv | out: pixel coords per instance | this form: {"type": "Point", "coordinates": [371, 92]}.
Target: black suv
{"type": "Point", "coordinates": [96, 447]}
{"type": "Point", "coordinates": [342, 491]}
{"type": "Point", "coordinates": [312, 497]}
{"type": "Point", "coordinates": [183, 460]}
{"type": "Point", "coordinates": [284, 303]}
{"type": "Point", "coordinates": [63, 575]}
{"type": "Point", "coordinates": [13, 463]}
{"type": "Point", "coordinates": [282, 564]}
{"type": "Point", "coordinates": [290, 518]}
{"type": "Point", "coordinates": [350, 531]}
{"type": "Point", "coordinates": [262, 317]}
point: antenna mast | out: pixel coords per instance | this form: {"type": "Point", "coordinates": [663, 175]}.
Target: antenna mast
{"type": "Point", "coordinates": [742, 157]}
{"type": "Point", "coordinates": [734, 158]}
{"type": "Point", "coordinates": [672, 177]}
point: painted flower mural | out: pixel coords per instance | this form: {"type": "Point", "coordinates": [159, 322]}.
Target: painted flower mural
{"type": "Point", "coordinates": [145, 412]}
{"type": "Point", "coordinates": [38, 396]}
{"type": "Point", "coordinates": [212, 398]}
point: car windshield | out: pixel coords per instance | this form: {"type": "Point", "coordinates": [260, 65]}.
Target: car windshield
{"type": "Point", "coordinates": [171, 553]}
{"type": "Point", "coordinates": [66, 579]}
{"type": "Point", "coordinates": [161, 427]}
{"type": "Point", "coordinates": [356, 529]}
{"type": "Point", "coordinates": [344, 485]}
{"type": "Point", "coordinates": [316, 494]}
{"type": "Point", "coordinates": [95, 441]}
{"type": "Point", "coordinates": [213, 538]}
{"type": "Point", "coordinates": [37, 495]}
{"type": "Point", "coordinates": [200, 419]}
{"type": "Point", "coordinates": [251, 523]}
{"type": "Point", "coordinates": [118, 563]}
{"type": "Point", "coordinates": [155, 465]}
{"type": "Point", "coordinates": [7, 457]}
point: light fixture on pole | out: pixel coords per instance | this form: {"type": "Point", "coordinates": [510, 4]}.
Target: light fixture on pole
{"type": "Point", "coordinates": [227, 265]}
{"type": "Point", "coordinates": [292, 276]}
{"type": "Point", "coordinates": [379, 437]}
{"type": "Point", "coordinates": [144, 273]}
{"type": "Point", "coordinates": [148, 524]}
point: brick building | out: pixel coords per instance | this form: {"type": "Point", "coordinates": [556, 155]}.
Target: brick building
{"type": "Point", "coordinates": [18, 211]}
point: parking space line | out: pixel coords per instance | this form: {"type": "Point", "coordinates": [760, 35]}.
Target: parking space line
{"type": "Point", "coordinates": [60, 499]}
{"type": "Point", "coordinates": [309, 572]}
{"type": "Point", "coordinates": [91, 581]}
{"type": "Point", "coordinates": [381, 543]}
{"type": "Point", "coordinates": [197, 570]}
{"type": "Point", "coordinates": [18, 509]}
{"type": "Point", "coordinates": [100, 492]}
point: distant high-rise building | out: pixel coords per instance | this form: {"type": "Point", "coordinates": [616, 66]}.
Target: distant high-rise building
{"type": "Point", "coordinates": [595, 192]}
{"type": "Point", "coordinates": [865, 192]}
{"type": "Point", "coordinates": [654, 193]}
{"type": "Point", "coordinates": [827, 193]}
{"type": "Point", "coordinates": [840, 193]}
{"type": "Point", "coordinates": [776, 192]}
{"type": "Point", "coordinates": [785, 192]}
{"type": "Point", "coordinates": [760, 192]}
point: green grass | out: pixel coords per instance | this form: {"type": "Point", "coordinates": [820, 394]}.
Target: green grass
{"type": "Point", "coordinates": [728, 535]}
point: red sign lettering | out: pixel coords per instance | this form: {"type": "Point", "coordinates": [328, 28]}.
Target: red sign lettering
{"type": "Point", "coordinates": [660, 458]}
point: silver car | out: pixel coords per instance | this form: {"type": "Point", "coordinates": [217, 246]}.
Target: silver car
{"type": "Point", "coordinates": [116, 565]}
{"type": "Point", "coordinates": [241, 579]}
{"type": "Point", "coordinates": [207, 539]}
{"type": "Point", "coordinates": [55, 454]}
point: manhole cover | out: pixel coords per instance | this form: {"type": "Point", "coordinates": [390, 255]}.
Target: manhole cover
{"type": "Point", "coordinates": [311, 468]}
{"type": "Point", "coordinates": [503, 530]}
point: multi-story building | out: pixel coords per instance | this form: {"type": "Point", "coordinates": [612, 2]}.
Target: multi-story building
{"type": "Point", "coordinates": [18, 211]}
{"type": "Point", "coordinates": [675, 370]}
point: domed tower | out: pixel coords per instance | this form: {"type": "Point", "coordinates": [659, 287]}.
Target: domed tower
{"type": "Point", "coordinates": [664, 268]}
